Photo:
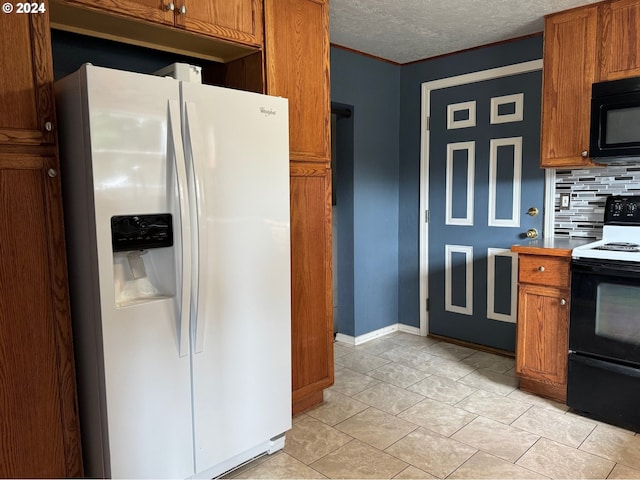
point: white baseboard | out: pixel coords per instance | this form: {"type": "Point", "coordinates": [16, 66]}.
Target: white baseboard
{"type": "Point", "coordinates": [398, 327]}
{"type": "Point", "coordinates": [409, 329]}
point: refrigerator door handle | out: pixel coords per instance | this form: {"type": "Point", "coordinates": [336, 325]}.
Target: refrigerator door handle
{"type": "Point", "coordinates": [195, 153]}
{"type": "Point", "coordinates": [184, 263]}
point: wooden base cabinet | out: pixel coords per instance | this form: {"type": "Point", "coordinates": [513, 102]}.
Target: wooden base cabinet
{"type": "Point", "coordinates": [39, 426]}
{"type": "Point", "coordinates": [311, 312]}
{"type": "Point", "coordinates": [542, 339]}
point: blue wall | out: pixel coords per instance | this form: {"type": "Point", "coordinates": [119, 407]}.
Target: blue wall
{"type": "Point", "coordinates": [71, 50]}
{"type": "Point", "coordinates": [372, 87]}
{"type": "Point", "coordinates": [386, 169]}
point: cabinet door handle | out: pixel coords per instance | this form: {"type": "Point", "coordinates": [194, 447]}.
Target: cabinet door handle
{"type": "Point", "coordinates": [48, 126]}
{"type": "Point", "coordinates": [563, 301]}
{"type": "Point", "coordinates": [182, 10]}
{"type": "Point", "coordinates": [584, 154]}
{"type": "Point", "coordinates": [52, 172]}
{"type": "Point", "coordinates": [170, 6]}
{"type": "Point", "coordinates": [541, 268]}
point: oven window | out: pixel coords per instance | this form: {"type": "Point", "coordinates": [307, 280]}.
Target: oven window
{"type": "Point", "coordinates": [622, 126]}
{"type": "Point", "coordinates": [617, 308]}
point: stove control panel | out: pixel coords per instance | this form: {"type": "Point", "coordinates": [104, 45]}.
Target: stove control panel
{"type": "Point", "coordinates": [622, 210]}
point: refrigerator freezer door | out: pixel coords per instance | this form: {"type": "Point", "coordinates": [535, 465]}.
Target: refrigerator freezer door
{"type": "Point", "coordinates": [238, 143]}
{"type": "Point", "coordinates": [145, 383]}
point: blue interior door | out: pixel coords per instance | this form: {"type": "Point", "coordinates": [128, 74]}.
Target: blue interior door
{"type": "Point", "coordinates": [484, 177]}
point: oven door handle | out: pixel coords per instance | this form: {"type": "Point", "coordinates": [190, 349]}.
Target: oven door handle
{"type": "Point", "coordinates": [605, 365]}
{"type": "Point", "coordinates": [606, 267]}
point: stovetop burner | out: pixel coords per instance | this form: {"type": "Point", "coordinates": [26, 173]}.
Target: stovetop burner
{"type": "Point", "coordinates": [619, 247]}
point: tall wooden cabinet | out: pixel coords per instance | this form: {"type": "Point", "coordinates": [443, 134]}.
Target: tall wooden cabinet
{"type": "Point", "coordinates": [297, 67]}
{"type": "Point", "coordinates": [38, 415]}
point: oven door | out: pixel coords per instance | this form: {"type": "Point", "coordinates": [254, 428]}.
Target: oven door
{"type": "Point", "coordinates": [605, 310]}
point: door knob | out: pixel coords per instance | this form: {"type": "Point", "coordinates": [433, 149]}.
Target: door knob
{"type": "Point", "coordinates": [532, 212]}
{"type": "Point", "coordinates": [532, 233]}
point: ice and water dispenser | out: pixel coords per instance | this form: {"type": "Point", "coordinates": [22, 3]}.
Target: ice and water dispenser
{"type": "Point", "coordinates": [143, 258]}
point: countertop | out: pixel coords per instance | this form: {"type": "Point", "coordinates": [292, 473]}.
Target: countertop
{"type": "Point", "coordinates": [556, 247]}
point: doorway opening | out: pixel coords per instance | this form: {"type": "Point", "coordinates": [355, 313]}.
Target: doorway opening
{"type": "Point", "coordinates": [342, 129]}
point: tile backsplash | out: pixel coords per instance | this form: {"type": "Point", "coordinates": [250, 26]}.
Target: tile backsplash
{"type": "Point", "coordinates": [589, 189]}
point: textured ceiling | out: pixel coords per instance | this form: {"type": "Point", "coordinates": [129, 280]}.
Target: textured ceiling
{"type": "Point", "coordinates": [406, 30]}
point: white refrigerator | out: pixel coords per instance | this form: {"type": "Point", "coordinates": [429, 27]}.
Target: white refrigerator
{"type": "Point", "coordinates": [176, 201]}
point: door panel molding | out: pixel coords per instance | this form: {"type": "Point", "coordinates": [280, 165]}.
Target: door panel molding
{"type": "Point", "coordinates": [494, 144]}
{"type": "Point", "coordinates": [492, 253]}
{"type": "Point", "coordinates": [470, 147]}
{"type": "Point", "coordinates": [449, 287]}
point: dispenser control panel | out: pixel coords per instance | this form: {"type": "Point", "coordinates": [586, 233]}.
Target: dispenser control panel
{"type": "Point", "coordinates": [138, 232]}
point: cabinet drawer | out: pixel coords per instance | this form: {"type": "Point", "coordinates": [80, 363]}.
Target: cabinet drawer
{"type": "Point", "coordinates": [543, 270]}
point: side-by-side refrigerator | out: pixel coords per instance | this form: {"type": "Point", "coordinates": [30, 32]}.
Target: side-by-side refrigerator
{"type": "Point", "coordinates": [176, 201]}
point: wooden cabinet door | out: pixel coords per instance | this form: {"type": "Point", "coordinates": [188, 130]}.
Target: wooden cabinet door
{"type": "Point", "coordinates": [620, 43]}
{"type": "Point", "coordinates": [297, 57]}
{"type": "Point", "coordinates": [542, 334]}
{"type": "Point", "coordinates": [568, 73]}
{"type": "Point", "coordinates": [39, 428]}
{"type": "Point", "coordinates": [26, 82]}
{"type": "Point", "coordinates": [311, 291]}
{"type": "Point", "coordinates": [157, 11]}
{"type": "Point", "coordinates": [235, 20]}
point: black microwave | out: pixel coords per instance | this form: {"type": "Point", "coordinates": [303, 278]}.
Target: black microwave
{"type": "Point", "coordinates": [615, 121]}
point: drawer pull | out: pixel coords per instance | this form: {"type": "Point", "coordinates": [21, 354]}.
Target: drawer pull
{"type": "Point", "coordinates": [541, 268]}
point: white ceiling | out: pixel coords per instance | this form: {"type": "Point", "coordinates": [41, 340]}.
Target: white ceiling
{"type": "Point", "coordinates": [406, 30]}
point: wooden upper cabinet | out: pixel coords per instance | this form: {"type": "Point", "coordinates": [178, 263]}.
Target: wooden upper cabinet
{"type": "Point", "coordinates": [151, 10]}
{"type": "Point", "coordinates": [236, 20]}
{"type": "Point", "coordinates": [26, 83]}
{"type": "Point", "coordinates": [297, 67]}
{"type": "Point", "coordinates": [620, 41]}
{"type": "Point", "coordinates": [568, 73]}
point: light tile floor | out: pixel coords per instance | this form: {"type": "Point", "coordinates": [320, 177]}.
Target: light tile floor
{"type": "Point", "coordinates": [410, 407]}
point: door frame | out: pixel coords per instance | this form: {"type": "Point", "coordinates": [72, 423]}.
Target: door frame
{"type": "Point", "coordinates": [427, 88]}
